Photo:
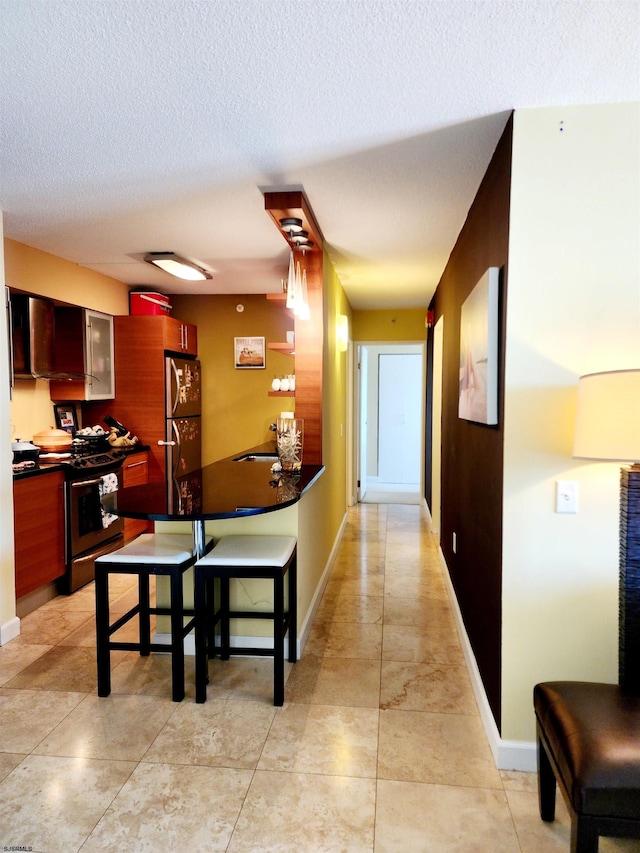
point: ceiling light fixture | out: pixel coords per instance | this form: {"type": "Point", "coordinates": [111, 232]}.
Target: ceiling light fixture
{"type": "Point", "coordinates": [177, 266]}
{"type": "Point", "coordinates": [291, 225]}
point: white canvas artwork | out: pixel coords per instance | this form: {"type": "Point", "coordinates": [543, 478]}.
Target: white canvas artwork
{"type": "Point", "coordinates": [478, 385]}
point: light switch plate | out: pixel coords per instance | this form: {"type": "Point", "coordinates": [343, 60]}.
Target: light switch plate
{"type": "Point", "coordinates": [567, 496]}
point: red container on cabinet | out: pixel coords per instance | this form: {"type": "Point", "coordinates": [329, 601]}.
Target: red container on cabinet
{"type": "Point", "coordinates": [148, 303]}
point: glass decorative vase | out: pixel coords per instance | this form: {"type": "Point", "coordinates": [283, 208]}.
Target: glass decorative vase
{"type": "Point", "coordinates": [289, 441]}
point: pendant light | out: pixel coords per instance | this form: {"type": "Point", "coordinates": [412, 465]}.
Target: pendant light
{"type": "Point", "coordinates": [291, 285]}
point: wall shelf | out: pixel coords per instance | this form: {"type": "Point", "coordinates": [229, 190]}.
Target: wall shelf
{"type": "Point", "coordinates": [286, 348]}
{"type": "Point", "coordinates": [282, 393]}
{"type": "Point", "coordinates": [281, 300]}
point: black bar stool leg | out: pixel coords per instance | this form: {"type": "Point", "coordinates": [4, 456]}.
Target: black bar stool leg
{"type": "Point", "coordinates": [209, 585]}
{"type": "Point", "coordinates": [278, 639]}
{"type": "Point", "coordinates": [144, 617]}
{"type": "Point", "coordinates": [293, 610]}
{"type": "Point", "coordinates": [177, 640]}
{"type": "Point", "coordinates": [225, 631]}
{"type": "Point", "coordinates": [202, 636]}
{"type": "Point", "coordinates": [102, 631]}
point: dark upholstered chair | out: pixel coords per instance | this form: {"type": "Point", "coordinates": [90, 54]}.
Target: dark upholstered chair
{"type": "Point", "coordinates": [589, 742]}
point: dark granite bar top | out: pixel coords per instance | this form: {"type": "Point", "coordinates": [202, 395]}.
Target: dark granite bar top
{"type": "Point", "coordinates": [224, 489]}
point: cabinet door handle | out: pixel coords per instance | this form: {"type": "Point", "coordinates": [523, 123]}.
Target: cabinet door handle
{"type": "Point", "coordinates": [136, 464]}
{"type": "Point", "coordinates": [166, 444]}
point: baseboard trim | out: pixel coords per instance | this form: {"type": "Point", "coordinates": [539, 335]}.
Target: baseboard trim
{"type": "Point", "coordinates": [507, 755]}
{"type": "Point", "coordinates": [9, 630]}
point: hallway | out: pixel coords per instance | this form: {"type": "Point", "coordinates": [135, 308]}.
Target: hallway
{"type": "Point", "coordinates": [379, 746]}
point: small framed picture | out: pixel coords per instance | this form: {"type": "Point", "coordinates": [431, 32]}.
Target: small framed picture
{"type": "Point", "coordinates": [249, 353]}
{"type": "Point", "coordinates": [66, 417]}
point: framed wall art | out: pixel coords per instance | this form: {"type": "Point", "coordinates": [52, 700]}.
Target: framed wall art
{"type": "Point", "coordinates": [478, 385]}
{"type": "Point", "coordinates": [66, 417]}
{"type": "Point", "coordinates": [249, 353]}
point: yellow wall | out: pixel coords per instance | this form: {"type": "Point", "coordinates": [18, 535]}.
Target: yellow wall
{"type": "Point", "coordinates": [335, 414]}
{"type": "Point", "coordinates": [390, 325]}
{"type": "Point", "coordinates": [236, 407]}
{"type": "Point", "coordinates": [47, 275]}
{"type": "Point", "coordinates": [43, 274]}
{"type": "Point", "coordinates": [573, 307]}
{"type": "Point", "coordinates": [317, 519]}
{"type": "Point", "coordinates": [240, 398]}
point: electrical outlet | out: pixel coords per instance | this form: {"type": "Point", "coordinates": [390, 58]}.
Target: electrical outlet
{"type": "Point", "coordinates": [567, 496]}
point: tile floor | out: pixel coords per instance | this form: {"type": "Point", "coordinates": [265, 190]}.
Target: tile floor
{"type": "Point", "coordinates": [378, 747]}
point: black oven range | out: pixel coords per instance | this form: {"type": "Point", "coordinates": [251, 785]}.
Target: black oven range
{"type": "Point", "coordinates": [89, 530]}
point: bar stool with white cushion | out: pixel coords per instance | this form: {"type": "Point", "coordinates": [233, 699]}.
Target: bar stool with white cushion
{"type": "Point", "coordinates": [169, 554]}
{"type": "Point", "coordinates": [270, 557]}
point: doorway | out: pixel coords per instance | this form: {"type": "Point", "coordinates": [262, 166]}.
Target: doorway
{"type": "Point", "coordinates": [390, 405]}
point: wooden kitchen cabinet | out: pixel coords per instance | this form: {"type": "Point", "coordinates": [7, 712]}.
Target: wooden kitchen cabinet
{"type": "Point", "coordinates": [38, 521]}
{"type": "Point", "coordinates": [135, 472]}
{"type": "Point", "coordinates": [180, 337]}
{"type": "Point", "coordinates": [83, 346]}
{"type": "Point", "coordinates": [141, 344]}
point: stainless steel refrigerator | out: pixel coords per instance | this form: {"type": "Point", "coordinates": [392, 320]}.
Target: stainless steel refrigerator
{"type": "Point", "coordinates": [183, 410]}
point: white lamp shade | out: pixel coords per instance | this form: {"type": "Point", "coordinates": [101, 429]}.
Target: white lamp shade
{"type": "Point", "coordinates": [608, 416]}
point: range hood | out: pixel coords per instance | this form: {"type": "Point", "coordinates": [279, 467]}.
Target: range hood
{"type": "Point", "coordinates": [33, 338]}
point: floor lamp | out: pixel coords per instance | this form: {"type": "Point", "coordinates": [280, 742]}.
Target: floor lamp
{"type": "Point", "coordinates": [608, 428]}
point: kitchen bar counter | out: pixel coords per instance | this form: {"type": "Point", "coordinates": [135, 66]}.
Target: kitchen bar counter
{"type": "Point", "coordinates": [224, 489]}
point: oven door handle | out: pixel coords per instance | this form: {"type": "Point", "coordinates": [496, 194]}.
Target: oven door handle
{"type": "Point", "coordinates": [79, 484]}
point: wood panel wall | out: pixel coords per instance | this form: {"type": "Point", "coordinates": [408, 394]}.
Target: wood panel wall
{"type": "Point", "coordinates": [309, 334]}
{"type": "Point", "coordinates": [472, 454]}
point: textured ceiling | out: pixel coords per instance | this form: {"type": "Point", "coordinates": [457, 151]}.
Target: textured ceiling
{"type": "Point", "coordinates": [155, 125]}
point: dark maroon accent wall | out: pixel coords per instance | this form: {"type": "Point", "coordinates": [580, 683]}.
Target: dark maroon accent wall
{"type": "Point", "coordinates": [472, 454]}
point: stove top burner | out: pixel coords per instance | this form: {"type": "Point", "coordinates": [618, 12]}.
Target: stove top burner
{"type": "Point", "coordinates": [79, 461]}
{"type": "Point", "coordinates": [94, 460]}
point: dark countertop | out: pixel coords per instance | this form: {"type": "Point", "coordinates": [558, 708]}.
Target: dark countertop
{"type": "Point", "coordinates": [47, 467]}
{"type": "Point", "coordinates": [37, 470]}
{"type": "Point", "coordinates": [224, 489]}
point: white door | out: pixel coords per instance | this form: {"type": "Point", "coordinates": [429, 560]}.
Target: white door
{"type": "Point", "coordinates": [399, 417]}
{"type": "Point", "coordinates": [436, 441]}
{"type": "Point", "coordinates": [361, 391]}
